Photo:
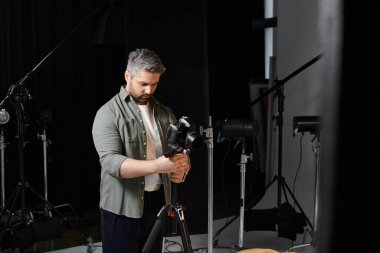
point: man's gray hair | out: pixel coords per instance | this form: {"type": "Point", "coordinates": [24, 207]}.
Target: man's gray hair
{"type": "Point", "coordinates": [144, 59]}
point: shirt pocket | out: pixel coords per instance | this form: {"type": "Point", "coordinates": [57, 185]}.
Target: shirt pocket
{"type": "Point", "coordinates": [129, 130]}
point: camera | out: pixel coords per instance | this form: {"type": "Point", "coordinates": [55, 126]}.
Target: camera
{"type": "Point", "coordinates": [182, 137]}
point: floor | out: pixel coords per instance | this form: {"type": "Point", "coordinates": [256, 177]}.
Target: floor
{"type": "Point", "coordinates": [84, 236]}
{"type": "Point", "coordinates": [227, 241]}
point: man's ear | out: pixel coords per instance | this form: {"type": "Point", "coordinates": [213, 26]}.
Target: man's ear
{"type": "Point", "coordinates": [127, 76]}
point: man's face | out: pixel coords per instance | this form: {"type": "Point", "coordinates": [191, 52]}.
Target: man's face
{"type": "Point", "coordinates": [141, 86]}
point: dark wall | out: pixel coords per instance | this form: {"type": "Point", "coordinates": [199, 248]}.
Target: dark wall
{"type": "Point", "coordinates": [236, 55]}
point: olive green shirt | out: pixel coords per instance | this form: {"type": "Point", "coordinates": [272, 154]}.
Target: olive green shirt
{"type": "Point", "coordinates": [118, 133]}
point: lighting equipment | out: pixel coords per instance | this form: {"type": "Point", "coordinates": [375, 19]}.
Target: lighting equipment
{"type": "Point", "coordinates": [303, 124]}
{"type": "Point", "coordinates": [239, 129]}
{"type": "Point", "coordinates": [4, 116]}
{"type": "Point", "coordinates": [236, 128]}
{"type": "Point", "coordinates": [282, 187]}
{"type": "Point", "coordinates": [209, 140]}
{"type": "Point", "coordinates": [311, 124]}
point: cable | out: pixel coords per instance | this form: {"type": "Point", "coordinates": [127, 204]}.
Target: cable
{"type": "Point", "coordinates": [171, 243]}
{"type": "Point", "coordinates": [299, 164]}
{"type": "Point", "coordinates": [295, 178]}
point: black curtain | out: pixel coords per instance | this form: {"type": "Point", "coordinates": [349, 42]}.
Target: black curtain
{"type": "Point", "coordinates": [70, 84]}
{"type": "Point", "coordinates": [87, 70]}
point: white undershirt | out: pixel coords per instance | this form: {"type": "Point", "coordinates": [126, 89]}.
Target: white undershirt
{"type": "Point", "coordinates": [153, 147]}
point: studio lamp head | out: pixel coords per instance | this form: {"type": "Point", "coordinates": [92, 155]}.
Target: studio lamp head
{"type": "Point", "coordinates": [303, 124]}
{"type": "Point", "coordinates": [237, 128]}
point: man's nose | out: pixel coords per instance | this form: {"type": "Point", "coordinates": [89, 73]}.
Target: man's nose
{"type": "Point", "coordinates": [148, 90]}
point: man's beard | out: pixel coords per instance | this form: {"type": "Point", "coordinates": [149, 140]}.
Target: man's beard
{"type": "Point", "coordinates": [141, 99]}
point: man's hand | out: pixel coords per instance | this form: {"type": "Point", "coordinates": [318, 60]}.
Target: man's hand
{"type": "Point", "coordinates": [182, 168]}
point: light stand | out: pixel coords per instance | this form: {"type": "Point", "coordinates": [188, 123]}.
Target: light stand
{"type": "Point", "coordinates": [208, 132]}
{"type": "Point", "coordinates": [243, 161]}
{"type": "Point", "coordinates": [239, 129]}
{"type": "Point", "coordinates": [4, 118]}
{"type": "Point", "coordinates": [316, 150]}
{"type": "Point", "coordinates": [45, 116]}
{"type": "Point", "coordinates": [45, 143]}
{"type": "Point", "coordinates": [317, 155]}
{"type": "Point", "coordinates": [2, 147]}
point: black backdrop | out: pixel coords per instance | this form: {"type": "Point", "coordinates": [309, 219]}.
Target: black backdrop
{"type": "Point", "coordinates": [210, 55]}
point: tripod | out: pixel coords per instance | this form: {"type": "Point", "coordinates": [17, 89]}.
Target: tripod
{"type": "Point", "coordinates": [19, 94]}
{"type": "Point", "coordinates": [175, 210]}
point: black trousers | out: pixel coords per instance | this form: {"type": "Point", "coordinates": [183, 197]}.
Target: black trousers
{"type": "Point", "coordinates": [121, 234]}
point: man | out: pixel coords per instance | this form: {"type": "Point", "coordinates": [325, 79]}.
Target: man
{"type": "Point", "coordinates": [129, 134]}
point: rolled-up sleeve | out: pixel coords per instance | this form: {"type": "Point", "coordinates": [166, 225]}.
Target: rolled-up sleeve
{"type": "Point", "coordinates": [108, 142]}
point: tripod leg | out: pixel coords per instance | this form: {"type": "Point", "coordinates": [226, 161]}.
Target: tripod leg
{"type": "Point", "coordinates": [186, 242]}
{"type": "Point", "coordinates": [155, 230]}
{"type": "Point", "coordinates": [283, 188]}
{"type": "Point", "coordinates": [298, 205]}
{"type": "Point", "coordinates": [12, 202]}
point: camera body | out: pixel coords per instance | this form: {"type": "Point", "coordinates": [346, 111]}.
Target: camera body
{"type": "Point", "coordinates": [182, 137]}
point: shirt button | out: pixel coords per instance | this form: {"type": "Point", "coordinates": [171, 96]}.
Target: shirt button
{"type": "Point", "coordinates": [144, 131]}
{"type": "Point", "coordinates": [144, 143]}
{"type": "Point", "coordinates": [144, 156]}
{"type": "Point", "coordinates": [140, 120]}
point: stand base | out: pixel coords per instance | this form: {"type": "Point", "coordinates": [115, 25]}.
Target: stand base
{"type": "Point", "coordinates": [313, 242]}
{"type": "Point", "coordinates": [235, 248]}
{"type": "Point", "coordinates": [21, 231]}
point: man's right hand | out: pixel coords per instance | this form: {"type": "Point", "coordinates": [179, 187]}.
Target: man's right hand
{"type": "Point", "coordinates": [172, 164]}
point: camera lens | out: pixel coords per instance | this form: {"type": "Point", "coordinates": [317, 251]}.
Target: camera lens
{"type": "Point", "coordinates": [193, 140]}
